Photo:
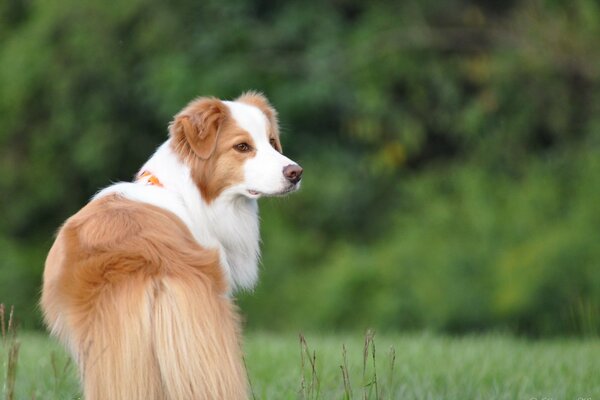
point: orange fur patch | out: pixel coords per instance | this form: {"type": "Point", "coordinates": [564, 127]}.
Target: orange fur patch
{"type": "Point", "coordinates": [142, 306]}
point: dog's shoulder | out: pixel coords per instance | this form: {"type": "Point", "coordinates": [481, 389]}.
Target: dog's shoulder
{"type": "Point", "coordinates": [153, 195]}
{"type": "Point", "coordinates": [119, 236]}
{"type": "Point", "coordinates": [116, 222]}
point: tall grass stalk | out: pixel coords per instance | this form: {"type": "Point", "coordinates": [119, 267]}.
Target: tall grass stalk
{"type": "Point", "coordinates": [10, 351]}
{"type": "Point", "coordinates": [392, 365]}
{"type": "Point", "coordinates": [346, 374]}
{"type": "Point", "coordinates": [311, 391]}
{"type": "Point", "coordinates": [249, 380]}
{"type": "Point", "coordinates": [369, 353]}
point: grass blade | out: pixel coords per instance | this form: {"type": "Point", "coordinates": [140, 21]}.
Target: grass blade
{"type": "Point", "coordinates": [9, 342]}
{"type": "Point", "coordinates": [345, 374]}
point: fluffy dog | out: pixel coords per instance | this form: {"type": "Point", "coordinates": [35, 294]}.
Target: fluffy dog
{"type": "Point", "coordinates": [137, 284]}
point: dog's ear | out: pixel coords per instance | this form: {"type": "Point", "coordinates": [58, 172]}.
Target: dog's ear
{"type": "Point", "coordinates": [199, 125]}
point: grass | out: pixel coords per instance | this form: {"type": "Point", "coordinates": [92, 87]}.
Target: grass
{"type": "Point", "coordinates": [426, 366]}
{"type": "Point", "coordinates": [316, 366]}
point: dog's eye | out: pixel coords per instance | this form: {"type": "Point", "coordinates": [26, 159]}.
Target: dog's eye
{"type": "Point", "coordinates": [242, 147]}
{"type": "Point", "coordinates": [273, 143]}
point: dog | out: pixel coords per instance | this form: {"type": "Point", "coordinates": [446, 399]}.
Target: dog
{"type": "Point", "coordinates": [138, 283]}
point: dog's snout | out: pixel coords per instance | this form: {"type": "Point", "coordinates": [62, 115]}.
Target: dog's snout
{"type": "Point", "coordinates": [293, 173]}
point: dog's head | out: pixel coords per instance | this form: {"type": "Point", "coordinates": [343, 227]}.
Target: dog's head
{"type": "Point", "coordinates": [233, 148]}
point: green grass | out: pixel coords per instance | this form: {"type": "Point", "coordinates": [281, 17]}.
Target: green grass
{"type": "Point", "coordinates": [426, 366]}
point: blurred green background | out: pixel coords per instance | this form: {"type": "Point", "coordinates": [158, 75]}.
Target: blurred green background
{"type": "Point", "coordinates": [451, 148]}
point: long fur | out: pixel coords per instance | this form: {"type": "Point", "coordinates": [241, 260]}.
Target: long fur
{"type": "Point", "coordinates": [138, 282]}
{"type": "Point", "coordinates": [146, 316]}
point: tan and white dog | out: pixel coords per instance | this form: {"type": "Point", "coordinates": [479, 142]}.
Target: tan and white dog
{"type": "Point", "coordinates": [138, 282]}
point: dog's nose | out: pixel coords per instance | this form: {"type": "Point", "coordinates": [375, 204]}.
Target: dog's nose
{"type": "Point", "coordinates": [292, 173]}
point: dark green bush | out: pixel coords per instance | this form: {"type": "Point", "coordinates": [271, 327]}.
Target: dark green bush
{"type": "Point", "coordinates": [451, 148]}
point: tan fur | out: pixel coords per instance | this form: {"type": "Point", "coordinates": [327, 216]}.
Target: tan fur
{"type": "Point", "coordinates": [142, 306]}
{"type": "Point", "coordinates": [201, 122]}
{"type": "Point", "coordinates": [189, 140]}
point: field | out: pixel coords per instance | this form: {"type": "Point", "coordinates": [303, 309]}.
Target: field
{"type": "Point", "coordinates": [409, 366]}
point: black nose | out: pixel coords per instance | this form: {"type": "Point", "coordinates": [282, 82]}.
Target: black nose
{"type": "Point", "coordinates": [293, 173]}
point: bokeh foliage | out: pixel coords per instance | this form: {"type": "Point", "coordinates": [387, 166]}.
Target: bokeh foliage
{"type": "Point", "coordinates": [451, 148]}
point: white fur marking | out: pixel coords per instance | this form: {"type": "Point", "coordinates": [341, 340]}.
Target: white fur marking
{"type": "Point", "coordinates": [263, 173]}
{"type": "Point", "coordinates": [230, 222]}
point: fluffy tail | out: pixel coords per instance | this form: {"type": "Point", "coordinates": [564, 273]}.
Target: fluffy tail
{"type": "Point", "coordinates": [198, 355]}
{"type": "Point", "coordinates": [166, 338]}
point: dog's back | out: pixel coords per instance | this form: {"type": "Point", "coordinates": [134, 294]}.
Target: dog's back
{"type": "Point", "coordinates": [142, 306]}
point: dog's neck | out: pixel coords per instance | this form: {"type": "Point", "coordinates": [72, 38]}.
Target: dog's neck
{"type": "Point", "coordinates": [229, 223]}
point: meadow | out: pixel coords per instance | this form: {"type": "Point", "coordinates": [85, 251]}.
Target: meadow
{"type": "Point", "coordinates": [357, 366]}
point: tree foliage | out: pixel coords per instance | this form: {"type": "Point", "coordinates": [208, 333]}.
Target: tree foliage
{"type": "Point", "coordinates": [451, 148]}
